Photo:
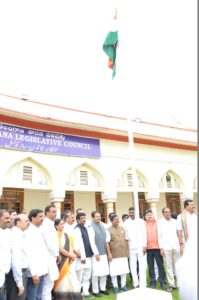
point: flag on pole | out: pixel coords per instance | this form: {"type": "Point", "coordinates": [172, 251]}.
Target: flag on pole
{"type": "Point", "coordinates": [110, 48]}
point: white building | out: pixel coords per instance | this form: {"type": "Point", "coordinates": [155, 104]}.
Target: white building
{"type": "Point", "coordinates": [81, 159]}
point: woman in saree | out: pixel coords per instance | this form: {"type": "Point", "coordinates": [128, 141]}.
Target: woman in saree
{"type": "Point", "coordinates": [66, 287]}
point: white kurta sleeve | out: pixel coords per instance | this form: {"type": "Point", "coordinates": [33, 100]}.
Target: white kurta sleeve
{"type": "Point", "coordinates": [144, 234]}
{"type": "Point", "coordinates": [16, 262]}
{"type": "Point", "coordinates": [126, 230]}
{"type": "Point", "coordinates": [80, 243]}
{"type": "Point", "coordinates": [108, 236]}
{"type": "Point", "coordinates": [91, 234]}
{"type": "Point", "coordinates": [50, 237]}
{"type": "Point", "coordinates": [160, 233]}
{"type": "Point", "coordinates": [2, 270]}
{"type": "Point", "coordinates": [179, 222]}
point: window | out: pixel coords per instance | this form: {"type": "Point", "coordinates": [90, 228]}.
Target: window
{"type": "Point", "coordinates": [27, 174]}
{"type": "Point", "coordinates": [83, 178]}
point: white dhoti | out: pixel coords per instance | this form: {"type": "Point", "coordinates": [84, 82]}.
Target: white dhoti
{"type": "Point", "coordinates": [119, 266]}
{"type": "Point", "coordinates": [99, 269]}
{"type": "Point", "coordinates": [83, 272]}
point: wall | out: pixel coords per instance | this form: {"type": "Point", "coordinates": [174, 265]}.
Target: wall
{"type": "Point", "coordinates": [35, 199]}
{"type": "Point", "coordinates": [124, 201]}
{"type": "Point", "coordinates": [86, 201]}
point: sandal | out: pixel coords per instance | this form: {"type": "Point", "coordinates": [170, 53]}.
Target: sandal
{"type": "Point", "coordinates": [170, 289]}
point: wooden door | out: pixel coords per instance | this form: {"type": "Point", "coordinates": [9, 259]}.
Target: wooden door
{"type": "Point", "coordinates": [12, 199]}
{"type": "Point", "coordinates": [68, 203]}
{"type": "Point", "coordinates": [173, 202]}
{"type": "Point", "coordinates": [101, 207]}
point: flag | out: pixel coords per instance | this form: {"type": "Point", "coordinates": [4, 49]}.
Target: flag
{"type": "Point", "coordinates": [110, 48]}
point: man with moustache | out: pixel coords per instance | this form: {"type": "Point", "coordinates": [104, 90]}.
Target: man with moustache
{"type": "Point", "coordinates": [100, 268]}
{"type": "Point", "coordinates": [83, 263]}
{"type": "Point", "coordinates": [50, 236]}
{"type": "Point", "coordinates": [117, 249]}
{"type": "Point", "coordinates": [37, 256]}
{"type": "Point", "coordinates": [135, 231]}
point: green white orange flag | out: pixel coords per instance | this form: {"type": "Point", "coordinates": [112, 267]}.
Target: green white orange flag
{"type": "Point", "coordinates": [110, 48]}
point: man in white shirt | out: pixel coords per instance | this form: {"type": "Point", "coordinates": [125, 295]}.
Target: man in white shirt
{"type": "Point", "coordinates": [16, 280]}
{"type": "Point", "coordinates": [37, 255]}
{"type": "Point", "coordinates": [187, 221]}
{"type": "Point", "coordinates": [169, 245]}
{"type": "Point", "coordinates": [50, 236]}
{"type": "Point", "coordinates": [135, 231]}
{"type": "Point", "coordinates": [5, 252]}
{"type": "Point", "coordinates": [69, 219]}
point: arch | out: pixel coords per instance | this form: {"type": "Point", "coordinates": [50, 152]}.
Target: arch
{"type": "Point", "coordinates": [125, 181]}
{"type": "Point", "coordinates": [28, 173]}
{"type": "Point", "coordinates": [171, 181]}
{"type": "Point", "coordinates": [85, 177]}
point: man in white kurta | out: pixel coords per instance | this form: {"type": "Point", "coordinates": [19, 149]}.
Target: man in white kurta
{"type": "Point", "coordinates": [117, 249]}
{"type": "Point", "coordinates": [169, 245]}
{"type": "Point", "coordinates": [83, 262]}
{"type": "Point", "coordinates": [187, 221]}
{"type": "Point", "coordinates": [50, 237]}
{"type": "Point", "coordinates": [187, 268]}
{"type": "Point", "coordinates": [135, 231]}
{"type": "Point", "coordinates": [37, 255]}
{"type": "Point", "coordinates": [100, 268]}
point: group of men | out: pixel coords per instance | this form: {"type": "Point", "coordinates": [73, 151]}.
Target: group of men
{"type": "Point", "coordinates": [31, 252]}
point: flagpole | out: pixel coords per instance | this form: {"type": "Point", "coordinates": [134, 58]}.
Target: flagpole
{"type": "Point", "coordinates": [133, 166]}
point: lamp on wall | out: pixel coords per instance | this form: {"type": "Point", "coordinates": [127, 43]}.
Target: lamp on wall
{"type": "Point", "coordinates": [168, 178]}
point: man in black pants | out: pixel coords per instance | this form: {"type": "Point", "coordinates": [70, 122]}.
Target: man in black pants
{"type": "Point", "coordinates": [16, 280]}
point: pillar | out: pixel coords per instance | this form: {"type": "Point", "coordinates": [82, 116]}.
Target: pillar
{"type": "Point", "coordinates": [109, 199]}
{"type": "Point", "coordinates": [57, 198]}
{"type": "Point", "coordinates": [152, 200]}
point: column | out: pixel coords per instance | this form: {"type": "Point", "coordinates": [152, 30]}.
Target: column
{"type": "Point", "coordinates": [57, 198]}
{"type": "Point", "coordinates": [152, 199]}
{"type": "Point", "coordinates": [109, 199]}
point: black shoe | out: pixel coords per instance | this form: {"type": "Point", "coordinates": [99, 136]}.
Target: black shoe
{"type": "Point", "coordinates": [96, 294]}
{"type": "Point", "coordinates": [104, 292]}
{"type": "Point", "coordinates": [163, 286]}
{"type": "Point", "coordinates": [152, 285]}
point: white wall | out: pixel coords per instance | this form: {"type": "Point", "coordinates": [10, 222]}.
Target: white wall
{"type": "Point", "coordinates": [86, 201]}
{"type": "Point", "coordinates": [35, 199]}
{"type": "Point", "coordinates": [124, 201]}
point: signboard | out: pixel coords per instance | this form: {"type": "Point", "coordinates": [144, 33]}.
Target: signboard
{"type": "Point", "coordinates": [31, 140]}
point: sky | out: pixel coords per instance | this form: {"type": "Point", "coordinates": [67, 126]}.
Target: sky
{"type": "Point", "coordinates": [51, 51]}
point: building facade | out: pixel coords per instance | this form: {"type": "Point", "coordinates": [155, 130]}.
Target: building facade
{"type": "Point", "coordinates": [79, 159]}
